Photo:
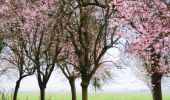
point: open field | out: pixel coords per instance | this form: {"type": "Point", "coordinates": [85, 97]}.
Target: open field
{"type": "Point", "coordinates": [92, 96]}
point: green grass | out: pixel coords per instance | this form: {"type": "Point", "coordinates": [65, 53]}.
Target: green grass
{"type": "Point", "coordinates": [92, 96]}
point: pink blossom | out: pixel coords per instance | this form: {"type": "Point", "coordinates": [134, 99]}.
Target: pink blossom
{"type": "Point", "coordinates": [3, 8]}
{"type": "Point", "coordinates": [151, 24]}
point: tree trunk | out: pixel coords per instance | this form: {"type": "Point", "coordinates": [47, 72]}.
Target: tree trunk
{"type": "Point", "coordinates": [157, 92]}
{"type": "Point", "coordinates": [42, 93]}
{"type": "Point", "coordinates": [156, 89]}
{"type": "Point", "coordinates": [84, 92]}
{"type": "Point", "coordinates": [73, 89]}
{"type": "Point", "coordinates": [16, 89]}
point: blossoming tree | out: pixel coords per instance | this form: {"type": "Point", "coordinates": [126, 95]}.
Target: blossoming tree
{"type": "Point", "coordinates": [151, 21]}
{"type": "Point", "coordinates": [88, 28]}
{"type": "Point", "coordinates": [35, 23]}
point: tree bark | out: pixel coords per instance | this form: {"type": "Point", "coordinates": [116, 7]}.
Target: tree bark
{"type": "Point", "coordinates": [73, 89]}
{"type": "Point", "coordinates": [16, 89]}
{"type": "Point", "coordinates": [42, 93]}
{"type": "Point", "coordinates": [84, 92]}
{"type": "Point", "coordinates": [156, 89]}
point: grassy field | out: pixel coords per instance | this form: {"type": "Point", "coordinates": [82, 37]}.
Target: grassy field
{"type": "Point", "coordinates": [92, 96]}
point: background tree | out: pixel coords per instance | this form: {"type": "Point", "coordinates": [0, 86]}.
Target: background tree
{"type": "Point", "coordinates": [67, 67]}
{"type": "Point", "coordinates": [150, 19]}
{"type": "Point", "coordinates": [71, 74]}
{"type": "Point", "coordinates": [101, 76]}
{"type": "Point", "coordinates": [87, 26]}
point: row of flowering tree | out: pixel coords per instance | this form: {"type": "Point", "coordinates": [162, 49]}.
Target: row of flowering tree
{"type": "Point", "coordinates": [40, 34]}
{"type": "Point", "coordinates": [74, 36]}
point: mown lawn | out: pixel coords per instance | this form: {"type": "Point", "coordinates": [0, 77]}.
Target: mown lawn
{"type": "Point", "coordinates": [92, 96]}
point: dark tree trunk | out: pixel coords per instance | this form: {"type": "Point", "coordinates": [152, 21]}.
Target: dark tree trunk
{"type": "Point", "coordinates": [84, 86]}
{"type": "Point", "coordinates": [42, 93]}
{"type": "Point", "coordinates": [73, 89]}
{"type": "Point", "coordinates": [16, 89]}
{"type": "Point", "coordinates": [157, 92]}
{"type": "Point", "coordinates": [84, 92]}
{"type": "Point", "coordinates": [156, 89]}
